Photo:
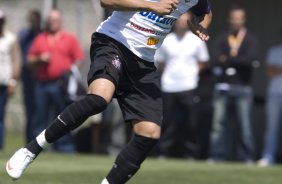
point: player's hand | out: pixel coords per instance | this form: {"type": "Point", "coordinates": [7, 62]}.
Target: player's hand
{"type": "Point", "coordinates": [199, 30]}
{"type": "Point", "coordinates": [165, 7]}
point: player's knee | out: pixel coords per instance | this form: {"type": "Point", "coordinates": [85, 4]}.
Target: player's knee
{"type": "Point", "coordinates": [103, 88]}
{"type": "Point", "coordinates": [145, 143]}
{"type": "Point", "coordinates": [153, 134]}
{"type": "Point", "coordinates": [94, 104]}
{"type": "Point", "coordinates": [149, 130]}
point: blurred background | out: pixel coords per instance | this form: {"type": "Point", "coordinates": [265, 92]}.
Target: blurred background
{"type": "Point", "coordinates": [106, 133]}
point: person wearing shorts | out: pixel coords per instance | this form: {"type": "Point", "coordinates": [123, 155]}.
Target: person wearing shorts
{"type": "Point", "coordinates": [122, 55]}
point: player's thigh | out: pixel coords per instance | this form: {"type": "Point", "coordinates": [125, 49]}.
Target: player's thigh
{"type": "Point", "coordinates": [102, 87]}
{"type": "Point", "coordinates": [147, 129]}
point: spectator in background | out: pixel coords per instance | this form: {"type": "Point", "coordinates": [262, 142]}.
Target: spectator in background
{"type": "Point", "coordinates": [274, 105]}
{"type": "Point", "coordinates": [204, 110]}
{"type": "Point", "coordinates": [234, 53]}
{"type": "Point", "coordinates": [26, 37]}
{"type": "Point", "coordinates": [10, 69]}
{"type": "Point", "coordinates": [181, 57]}
{"type": "Point", "coordinates": [52, 53]}
{"type": "Point", "coordinates": [119, 134]}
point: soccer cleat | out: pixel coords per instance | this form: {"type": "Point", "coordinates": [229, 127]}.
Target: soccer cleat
{"type": "Point", "coordinates": [18, 163]}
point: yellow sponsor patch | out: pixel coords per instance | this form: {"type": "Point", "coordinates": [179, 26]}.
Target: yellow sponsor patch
{"type": "Point", "coordinates": [153, 41]}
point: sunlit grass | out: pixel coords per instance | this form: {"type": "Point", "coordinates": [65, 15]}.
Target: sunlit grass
{"type": "Point", "coordinates": [90, 169]}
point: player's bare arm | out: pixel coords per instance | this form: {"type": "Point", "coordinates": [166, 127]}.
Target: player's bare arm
{"type": "Point", "coordinates": [163, 7]}
{"type": "Point", "coordinates": [201, 29]}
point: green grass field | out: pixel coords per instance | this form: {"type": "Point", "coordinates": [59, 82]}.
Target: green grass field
{"type": "Point", "coordinates": [90, 169]}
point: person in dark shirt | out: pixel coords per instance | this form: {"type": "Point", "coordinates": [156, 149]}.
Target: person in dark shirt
{"type": "Point", "coordinates": [234, 55]}
{"type": "Point", "coordinates": [26, 37]}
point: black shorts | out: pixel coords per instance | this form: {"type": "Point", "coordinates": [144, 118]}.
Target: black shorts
{"type": "Point", "coordinates": [137, 81]}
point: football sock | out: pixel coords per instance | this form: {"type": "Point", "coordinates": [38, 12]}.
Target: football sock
{"type": "Point", "coordinates": [74, 115]}
{"type": "Point", "coordinates": [71, 118]}
{"type": "Point", "coordinates": [130, 159]}
{"type": "Point", "coordinates": [34, 147]}
{"type": "Point", "coordinates": [37, 145]}
{"type": "Point", "coordinates": [41, 140]}
{"type": "Point", "coordinates": [105, 181]}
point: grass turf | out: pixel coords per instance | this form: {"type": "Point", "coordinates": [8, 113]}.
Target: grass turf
{"type": "Point", "coordinates": [90, 169]}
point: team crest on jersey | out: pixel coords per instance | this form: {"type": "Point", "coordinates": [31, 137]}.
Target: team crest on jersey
{"type": "Point", "coordinates": [153, 41]}
{"type": "Point", "coordinates": [116, 62]}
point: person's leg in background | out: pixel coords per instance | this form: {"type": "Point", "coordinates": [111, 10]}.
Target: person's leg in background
{"type": "Point", "coordinates": [204, 114]}
{"type": "Point", "coordinates": [244, 104]}
{"type": "Point", "coordinates": [28, 90]}
{"type": "Point", "coordinates": [273, 123]}
{"type": "Point", "coordinates": [109, 134]}
{"type": "Point", "coordinates": [3, 102]}
{"type": "Point", "coordinates": [169, 125]}
{"type": "Point", "coordinates": [218, 132]}
{"type": "Point", "coordinates": [64, 144]}
{"type": "Point", "coordinates": [188, 125]}
{"type": "Point", "coordinates": [42, 100]}
{"type": "Point", "coordinates": [118, 130]}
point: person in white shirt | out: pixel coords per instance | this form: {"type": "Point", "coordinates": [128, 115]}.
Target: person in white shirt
{"type": "Point", "coordinates": [9, 67]}
{"type": "Point", "coordinates": [122, 66]}
{"type": "Point", "coordinates": [181, 57]}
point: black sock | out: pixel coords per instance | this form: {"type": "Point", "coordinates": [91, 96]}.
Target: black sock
{"type": "Point", "coordinates": [34, 147]}
{"type": "Point", "coordinates": [55, 131]}
{"type": "Point", "coordinates": [74, 115]}
{"type": "Point", "coordinates": [130, 159]}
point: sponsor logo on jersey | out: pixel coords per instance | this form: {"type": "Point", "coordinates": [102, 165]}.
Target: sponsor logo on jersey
{"type": "Point", "coordinates": [150, 31]}
{"type": "Point", "coordinates": [159, 20]}
{"type": "Point", "coordinates": [153, 41]}
{"type": "Point", "coordinates": [135, 26]}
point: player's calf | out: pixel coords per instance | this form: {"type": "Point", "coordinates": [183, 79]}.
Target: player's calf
{"type": "Point", "coordinates": [130, 159]}
{"type": "Point", "coordinates": [72, 117]}
{"type": "Point", "coordinates": [132, 156]}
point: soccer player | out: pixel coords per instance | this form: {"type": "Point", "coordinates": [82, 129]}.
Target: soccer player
{"type": "Point", "coordinates": [122, 55]}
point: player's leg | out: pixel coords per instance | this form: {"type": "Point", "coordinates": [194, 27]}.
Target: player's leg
{"type": "Point", "coordinates": [100, 94]}
{"type": "Point", "coordinates": [129, 160]}
{"type": "Point", "coordinates": [142, 105]}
